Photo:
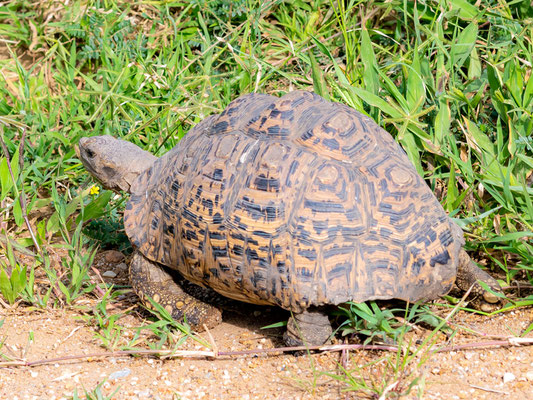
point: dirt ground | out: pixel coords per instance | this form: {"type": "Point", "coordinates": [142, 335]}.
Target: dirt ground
{"type": "Point", "coordinates": [490, 373]}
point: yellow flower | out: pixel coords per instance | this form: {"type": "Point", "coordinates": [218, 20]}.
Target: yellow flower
{"type": "Point", "coordinates": [94, 190]}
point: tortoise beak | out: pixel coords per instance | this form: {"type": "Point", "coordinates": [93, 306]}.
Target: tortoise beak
{"type": "Point", "coordinates": [77, 147]}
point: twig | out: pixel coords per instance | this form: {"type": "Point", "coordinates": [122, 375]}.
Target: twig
{"type": "Point", "coordinates": [195, 353]}
{"type": "Point", "coordinates": [100, 291]}
{"type": "Point", "coordinates": [489, 389]}
{"type": "Point", "coordinates": [211, 340]}
{"type": "Point", "coordinates": [213, 354]}
{"type": "Point", "coordinates": [68, 337]}
{"type": "Point", "coordinates": [512, 341]}
{"type": "Point", "coordinates": [3, 304]}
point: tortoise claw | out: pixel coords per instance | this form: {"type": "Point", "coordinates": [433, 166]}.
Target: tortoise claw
{"type": "Point", "coordinates": [490, 297]}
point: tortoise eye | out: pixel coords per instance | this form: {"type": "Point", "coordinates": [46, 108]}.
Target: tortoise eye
{"type": "Point", "coordinates": [90, 153]}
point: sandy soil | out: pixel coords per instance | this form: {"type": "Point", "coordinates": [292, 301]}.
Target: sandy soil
{"type": "Point", "coordinates": [495, 373]}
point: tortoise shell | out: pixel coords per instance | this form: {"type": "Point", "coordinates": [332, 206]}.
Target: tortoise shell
{"type": "Point", "coordinates": [294, 201]}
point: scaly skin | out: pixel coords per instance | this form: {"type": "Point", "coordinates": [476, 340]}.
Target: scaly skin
{"type": "Point", "coordinates": [150, 279]}
{"type": "Point", "coordinates": [468, 275]}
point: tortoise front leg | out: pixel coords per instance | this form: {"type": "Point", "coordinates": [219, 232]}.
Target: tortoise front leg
{"type": "Point", "coordinates": [151, 279]}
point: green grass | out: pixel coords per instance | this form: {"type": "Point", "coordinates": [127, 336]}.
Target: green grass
{"type": "Point", "coordinates": [450, 80]}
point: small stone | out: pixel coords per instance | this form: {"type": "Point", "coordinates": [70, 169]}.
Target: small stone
{"type": "Point", "coordinates": [120, 374]}
{"type": "Point", "coordinates": [529, 375]}
{"type": "Point", "coordinates": [109, 274]}
{"type": "Point", "coordinates": [122, 266]}
{"type": "Point", "coordinates": [508, 377]}
{"type": "Point", "coordinates": [113, 256]}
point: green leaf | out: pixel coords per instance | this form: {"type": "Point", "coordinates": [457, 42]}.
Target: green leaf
{"type": "Point", "coordinates": [510, 236]}
{"type": "Point", "coordinates": [95, 208]}
{"type": "Point", "coordinates": [416, 91]}
{"type": "Point", "coordinates": [319, 82]}
{"type": "Point", "coordinates": [17, 212]}
{"type": "Point", "coordinates": [5, 286]}
{"type": "Point", "coordinates": [11, 254]}
{"type": "Point", "coordinates": [280, 324]}
{"type": "Point", "coordinates": [465, 8]}
{"type": "Point", "coordinates": [63, 211]}
{"type": "Point", "coordinates": [344, 84]}
{"type": "Point", "coordinates": [18, 280]}
{"type": "Point", "coordinates": [406, 138]}
{"type": "Point", "coordinates": [515, 83]}
{"type": "Point", "coordinates": [463, 46]}
{"type": "Point", "coordinates": [5, 179]}
{"type": "Point", "coordinates": [453, 192]}
{"type": "Point", "coordinates": [393, 90]}
{"type": "Point", "coordinates": [370, 77]}
{"type": "Point", "coordinates": [378, 102]}
{"type": "Point", "coordinates": [480, 141]}
{"type": "Point", "coordinates": [474, 68]}
{"type": "Point", "coordinates": [442, 121]}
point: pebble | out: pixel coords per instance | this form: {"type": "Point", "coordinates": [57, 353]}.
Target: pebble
{"type": "Point", "coordinates": [109, 274]}
{"type": "Point", "coordinates": [529, 375]}
{"type": "Point", "coordinates": [508, 377]}
{"type": "Point", "coordinates": [122, 266]}
{"type": "Point", "coordinates": [120, 374]}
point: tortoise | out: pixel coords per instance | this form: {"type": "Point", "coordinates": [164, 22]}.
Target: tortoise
{"type": "Point", "coordinates": [296, 202]}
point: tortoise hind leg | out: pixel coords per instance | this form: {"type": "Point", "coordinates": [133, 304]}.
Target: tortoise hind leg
{"type": "Point", "coordinates": [310, 328]}
{"type": "Point", "coordinates": [469, 274]}
{"type": "Point", "coordinates": [151, 279]}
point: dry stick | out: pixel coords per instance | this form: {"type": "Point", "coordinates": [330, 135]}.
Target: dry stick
{"type": "Point", "coordinates": [212, 354]}
{"type": "Point", "coordinates": [489, 389]}
{"type": "Point", "coordinates": [194, 353]}
{"type": "Point", "coordinates": [100, 291]}
{"type": "Point", "coordinates": [211, 339]}
{"type": "Point", "coordinates": [511, 341]}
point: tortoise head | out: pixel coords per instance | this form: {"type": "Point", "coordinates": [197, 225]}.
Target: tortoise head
{"type": "Point", "coordinates": [114, 162]}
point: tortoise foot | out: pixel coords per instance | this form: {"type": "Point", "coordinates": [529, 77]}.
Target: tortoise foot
{"type": "Point", "coordinates": [150, 279]}
{"type": "Point", "coordinates": [468, 275]}
{"type": "Point", "coordinates": [309, 328]}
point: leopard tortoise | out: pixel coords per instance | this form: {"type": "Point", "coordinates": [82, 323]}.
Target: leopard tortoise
{"type": "Point", "coordinates": [296, 202]}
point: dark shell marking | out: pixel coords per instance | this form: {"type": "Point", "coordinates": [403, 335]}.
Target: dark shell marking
{"type": "Point", "coordinates": [294, 201]}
